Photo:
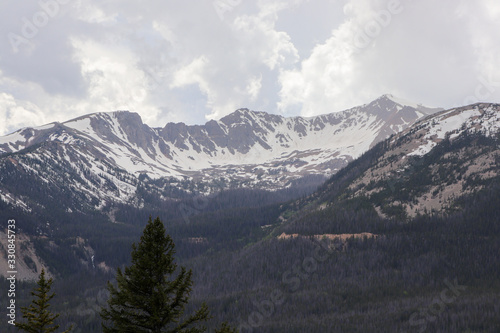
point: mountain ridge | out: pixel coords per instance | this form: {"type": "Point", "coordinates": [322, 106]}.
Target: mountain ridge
{"type": "Point", "coordinates": [251, 149]}
{"type": "Point", "coordinates": [425, 170]}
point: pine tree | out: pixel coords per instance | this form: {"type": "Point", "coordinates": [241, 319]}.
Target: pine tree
{"type": "Point", "coordinates": [225, 328]}
{"type": "Point", "coordinates": [147, 298]}
{"type": "Point", "coordinates": [40, 319]}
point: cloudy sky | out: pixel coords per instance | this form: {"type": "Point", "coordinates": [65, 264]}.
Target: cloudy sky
{"type": "Point", "coordinates": [191, 61]}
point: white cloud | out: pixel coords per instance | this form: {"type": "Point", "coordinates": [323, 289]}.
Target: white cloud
{"type": "Point", "coordinates": [253, 87]}
{"type": "Point", "coordinates": [492, 8]}
{"type": "Point", "coordinates": [192, 73]}
{"type": "Point", "coordinates": [17, 114]}
{"type": "Point", "coordinates": [233, 77]}
{"type": "Point", "coordinates": [325, 80]}
{"type": "Point", "coordinates": [114, 82]}
{"type": "Point", "coordinates": [91, 13]}
{"type": "Point", "coordinates": [271, 47]}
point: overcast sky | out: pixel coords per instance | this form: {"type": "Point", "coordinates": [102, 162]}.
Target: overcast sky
{"type": "Point", "coordinates": [191, 61]}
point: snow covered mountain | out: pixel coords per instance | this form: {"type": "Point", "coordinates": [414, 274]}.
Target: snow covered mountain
{"type": "Point", "coordinates": [107, 157]}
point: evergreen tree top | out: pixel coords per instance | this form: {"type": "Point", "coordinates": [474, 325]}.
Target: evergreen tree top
{"type": "Point", "coordinates": [147, 297]}
{"type": "Point", "coordinates": [39, 318]}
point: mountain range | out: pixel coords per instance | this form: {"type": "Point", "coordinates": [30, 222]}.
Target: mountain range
{"type": "Point", "coordinates": [105, 157]}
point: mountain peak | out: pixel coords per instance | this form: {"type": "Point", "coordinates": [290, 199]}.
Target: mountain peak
{"type": "Point", "coordinates": [242, 110]}
{"type": "Point", "coordinates": [237, 115]}
{"type": "Point", "coordinates": [397, 100]}
{"type": "Point", "coordinates": [106, 114]}
{"type": "Point", "coordinates": [389, 98]}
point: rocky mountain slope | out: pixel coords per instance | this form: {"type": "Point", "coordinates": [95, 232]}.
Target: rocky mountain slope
{"type": "Point", "coordinates": [427, 169]}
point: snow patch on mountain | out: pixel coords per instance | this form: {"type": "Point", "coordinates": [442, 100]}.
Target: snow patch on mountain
{"type": "Point", "coordinates": [454, 122]}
